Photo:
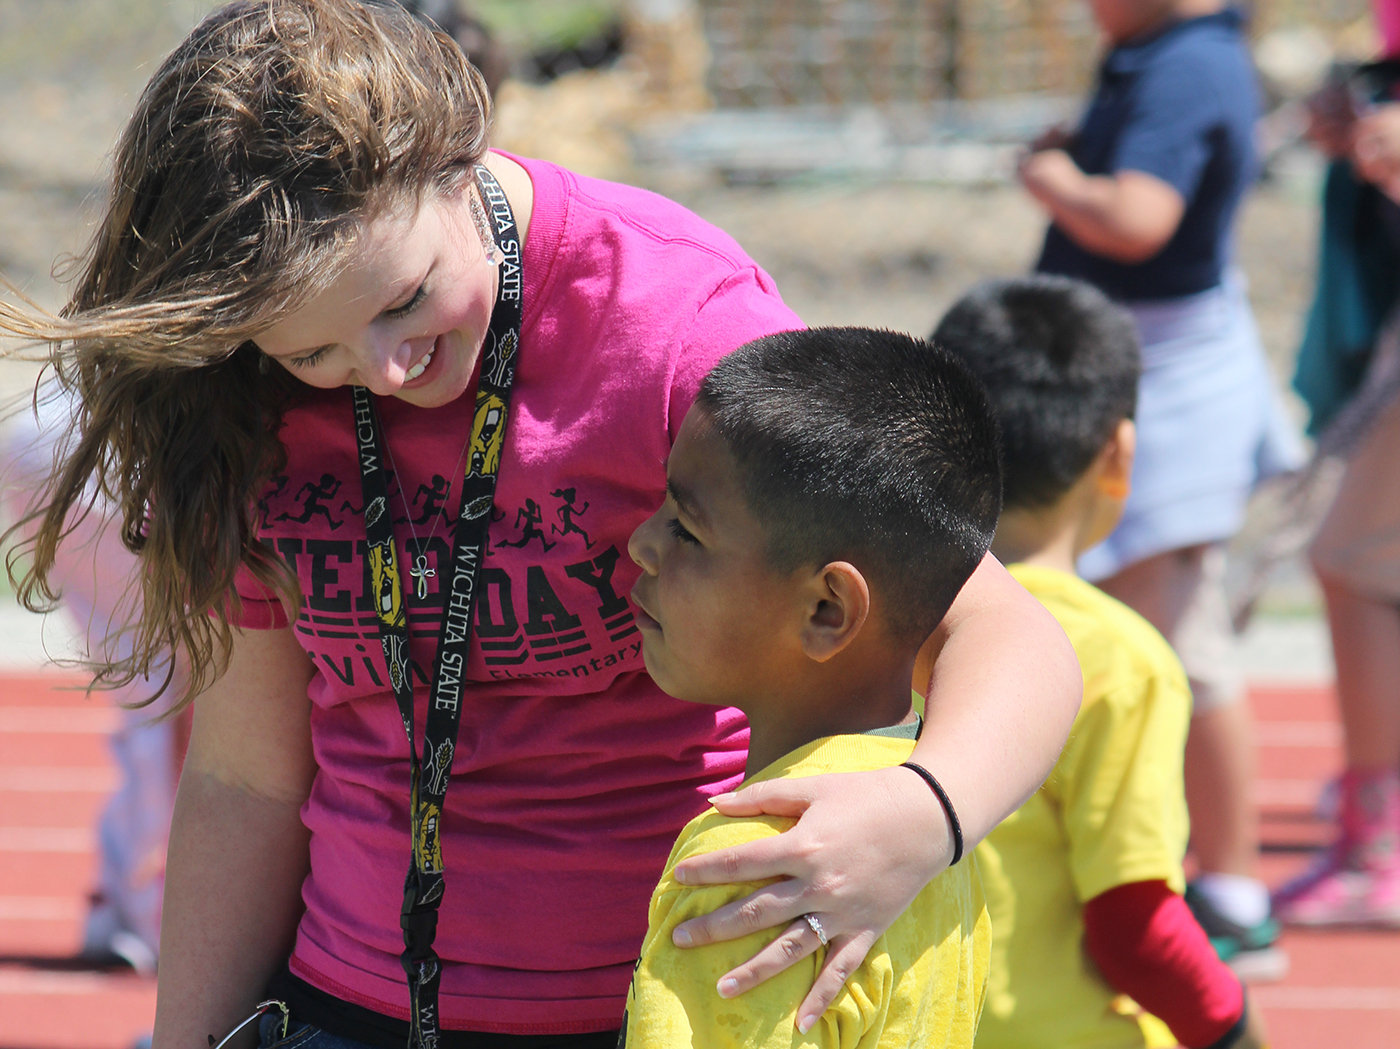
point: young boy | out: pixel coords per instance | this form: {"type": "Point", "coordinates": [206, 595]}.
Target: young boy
{"type": "Point", "coordinates": [1084, 881]}
{"type": "Point", "coordinates": [828, 495]}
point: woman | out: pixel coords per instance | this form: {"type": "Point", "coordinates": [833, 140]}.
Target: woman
{"type": "Point", "coordinates": [1354, 331]}
{"type": "Point", "coordinates": [308, 257]}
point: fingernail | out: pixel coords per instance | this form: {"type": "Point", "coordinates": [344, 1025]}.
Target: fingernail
{"type": "Point", "coordinates": [681, 938]}
{"type": "Point", "coordinates": [805, 1024]}
{"type": "Point", "coordinates": [722, 797]}
{"type": "Point", "coordinates": [679, 874]}
{"type": "Point", "coordinates": [728, 987]}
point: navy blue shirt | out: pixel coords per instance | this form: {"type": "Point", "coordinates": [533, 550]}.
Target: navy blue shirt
{"type": "Point", "coordinates": [1181, 106]}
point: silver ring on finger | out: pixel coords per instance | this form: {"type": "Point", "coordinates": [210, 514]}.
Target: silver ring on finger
{"type": "Point", "coordinates": [816, 925]}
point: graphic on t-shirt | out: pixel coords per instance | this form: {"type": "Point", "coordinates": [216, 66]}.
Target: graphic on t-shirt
{"type": "Point", "coordinates": [279, 485]}
{"type": "Point", "coordinates": [531, 515]}
{"type": "Point", "coordinates": [553, 632]}
{"type": "Point", "coordinates": [546, 613]}
{"type": "Point", "coordinates": [434, 499]}
{"type": "Point", "coordinates": [566, 512]}
{"type": "Point", "coordinates": [488, 436]}
{"type": "Point", "coordinates": [312, 505]}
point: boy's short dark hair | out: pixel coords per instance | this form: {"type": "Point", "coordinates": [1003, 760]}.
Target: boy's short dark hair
{"type": "Point", "coordinates": [865, 446]}
{"type": "Point", "coordinates": [1060, 363]}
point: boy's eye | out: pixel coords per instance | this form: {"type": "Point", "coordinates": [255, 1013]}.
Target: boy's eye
{"type": "Point", "coordinates": [409, 306]}
{"type": "Point", "coordinates": [679, 531]}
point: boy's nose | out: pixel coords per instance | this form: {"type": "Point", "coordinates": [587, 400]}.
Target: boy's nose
{"type": "Point", "coordinates": [641, 547]}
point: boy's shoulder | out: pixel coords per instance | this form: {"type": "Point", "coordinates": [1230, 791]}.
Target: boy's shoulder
{"type": "Point", "coordinates": [1120, 653]}
{"type": "Point", "coordinates": [846, 753]}
{"type": "Point", "coordinates": [922, 982]}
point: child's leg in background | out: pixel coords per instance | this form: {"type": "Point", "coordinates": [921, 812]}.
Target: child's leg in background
{"type": "Point", "coordinates": [1356, 557]}
{"type": "Point", "coordinates": [1366, 646]}
{"type": "Point", "coordinates": [1358, 879]}
{"type": "Point", "coordinates": [94, 571]}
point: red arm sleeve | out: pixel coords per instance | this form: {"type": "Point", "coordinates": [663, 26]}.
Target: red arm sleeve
{"type": "Point", "coordinates": [1148, 946]}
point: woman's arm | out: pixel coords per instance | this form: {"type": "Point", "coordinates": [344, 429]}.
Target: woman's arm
{"type": "Point", "coordinates": [238, 848]}
{"type": "Point", "coordinates": [1127, 217]}
{"type": "Point", "coordinates": [1004, 692]}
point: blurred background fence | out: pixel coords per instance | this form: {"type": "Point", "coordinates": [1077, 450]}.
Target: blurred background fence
{"type": "Point", "coordinates": [859, 52]}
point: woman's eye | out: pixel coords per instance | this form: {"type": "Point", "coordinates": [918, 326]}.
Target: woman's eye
{"type": "Point", "coordinates": [679, 531]}
{"type": "Point", "coordinates": [311, 359]}
{"type": "Point", "coordinates": [409, 306]}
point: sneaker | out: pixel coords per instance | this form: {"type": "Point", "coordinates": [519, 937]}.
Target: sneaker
{"type": "Point", "coordinates": [1357, 881]}
{"type": "Point", "coordinates": [1251, 951]}
{"type": "Point", "coordinates": [108, 943]}
{"type": "Point", "coordinates": [1334, 893]}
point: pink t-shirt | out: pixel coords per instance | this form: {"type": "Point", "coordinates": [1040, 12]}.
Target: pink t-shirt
{"type": "Point", "coordinates": [573, 772]}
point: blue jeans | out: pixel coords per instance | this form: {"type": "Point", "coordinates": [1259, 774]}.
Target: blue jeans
{"type": "Point", "coordinates": [300, 1036]}
{"type": "Point", "coordinates": [306, 1036]}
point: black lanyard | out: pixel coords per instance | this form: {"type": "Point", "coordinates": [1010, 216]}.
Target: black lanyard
{"type": "Point", "coordinates": [428, 778]}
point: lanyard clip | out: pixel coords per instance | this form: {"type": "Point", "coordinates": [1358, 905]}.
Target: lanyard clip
{"type": "Point", "coordinates": [419, 931]}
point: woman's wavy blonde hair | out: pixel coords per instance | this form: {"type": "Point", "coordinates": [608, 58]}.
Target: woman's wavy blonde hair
{"type": "Point", "coordinates": [255, 153]}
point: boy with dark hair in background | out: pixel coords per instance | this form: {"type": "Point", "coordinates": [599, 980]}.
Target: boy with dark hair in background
{"type": "Point", "coordinates": [1084, 881]}
{"type": "Point", "coordinates": [829, 493]}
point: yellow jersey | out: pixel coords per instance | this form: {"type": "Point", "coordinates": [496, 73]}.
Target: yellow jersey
{"type": "Point", "coordinates": [921, 985]}
{"type": "Point", "coordinates": [1112, 812]}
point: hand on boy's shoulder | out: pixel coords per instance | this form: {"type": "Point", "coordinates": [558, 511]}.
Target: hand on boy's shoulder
{"type": "Point", "coordinates": [711, 832]}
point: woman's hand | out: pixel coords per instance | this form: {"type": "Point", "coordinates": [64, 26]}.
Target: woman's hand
{"type": "Point", "coordinates": [864, 845]}
{"type": "Point", "coordinates": [1331, 119]}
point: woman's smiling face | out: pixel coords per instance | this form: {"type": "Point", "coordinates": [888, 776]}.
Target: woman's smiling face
{"type": "Point", "coordinates": [408, 314]}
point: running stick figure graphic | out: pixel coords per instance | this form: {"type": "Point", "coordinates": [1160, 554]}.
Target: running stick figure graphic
{"type": "Point", "coordinates": [265, 503]}
{"type": "Point", "coordinates": [566, 514]}
{"type": "Point", "coordinates": [314, 493]}
{"type": "Point", "coordinates": [433, 497]}
{"type": "Point", "coordinates": [531, 515]}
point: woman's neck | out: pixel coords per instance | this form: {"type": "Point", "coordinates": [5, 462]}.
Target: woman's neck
{"type": "Point", "coordinates": [520, 191]}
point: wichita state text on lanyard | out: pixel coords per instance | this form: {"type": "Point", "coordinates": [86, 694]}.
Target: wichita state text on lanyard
{"type": "Point", "coordinates": [428, 777]}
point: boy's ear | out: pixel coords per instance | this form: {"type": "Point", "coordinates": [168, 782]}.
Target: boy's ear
{"type": "Point", "coordinates": [1116, 461]}
{"type": "Point", "coordinates": [838, 608]}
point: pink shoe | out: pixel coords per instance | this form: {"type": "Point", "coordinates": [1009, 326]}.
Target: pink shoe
{"type": "Point", "coordinates": [1357, 881]}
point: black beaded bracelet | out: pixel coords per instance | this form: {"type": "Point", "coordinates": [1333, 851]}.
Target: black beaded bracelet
{"type": "Point", "coordinates": [942, 796]}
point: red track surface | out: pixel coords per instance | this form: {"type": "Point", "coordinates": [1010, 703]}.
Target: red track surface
{"type": "Point", "coordinates": [1344, 988]}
